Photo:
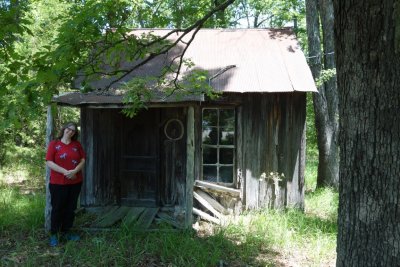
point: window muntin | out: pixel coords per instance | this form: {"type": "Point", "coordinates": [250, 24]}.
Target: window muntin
{"type": "Point", "coordinates": [218, 144]}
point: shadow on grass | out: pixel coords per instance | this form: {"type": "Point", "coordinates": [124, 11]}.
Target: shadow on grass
{"type": "Point", "coordinates": [24, 242]}
{"type": "Point", "coordinates": [124, 248]}
{"type": "Point", "coordinates": [312, 224]}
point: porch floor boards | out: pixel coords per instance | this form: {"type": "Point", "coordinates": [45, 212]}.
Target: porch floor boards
{"type": "Point", "coordinates": [141, 218]}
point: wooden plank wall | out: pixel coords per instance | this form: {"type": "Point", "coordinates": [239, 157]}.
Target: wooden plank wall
{"type": "Point", "coordinates": [101, 140]}
{"type": "Point", "coordinates": [87, 194]}
{"type": "Point", "coordinates": [190, 165]}
{"type": "Point", "coordinates": [293, 148]}
{"type": "Point", "coordinates": [174, 172]}
{"type": "Point", "coordinates": [273, 140]}
{"type": "Point", "coordinates": [99, 135]}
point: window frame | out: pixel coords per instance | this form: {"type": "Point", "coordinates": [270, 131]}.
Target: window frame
{"type": "Point", "coordinates": [219, 146]}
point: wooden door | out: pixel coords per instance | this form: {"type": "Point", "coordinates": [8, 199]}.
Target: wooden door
{"type": "Point", "coordinates": [173, 157]}
{"type": "Point", "coordinates": [139, 174]}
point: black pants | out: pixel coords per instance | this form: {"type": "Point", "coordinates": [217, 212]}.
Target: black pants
{"type": "Point", "coordinates": [64, 199]}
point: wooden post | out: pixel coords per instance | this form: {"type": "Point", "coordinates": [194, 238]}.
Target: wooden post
{"type": "Point", "coordinates": [51, 109]}
{"type": "Point", "coordinates": [240, 182]}
{"type": "Point", "coordinates": [190, 150]}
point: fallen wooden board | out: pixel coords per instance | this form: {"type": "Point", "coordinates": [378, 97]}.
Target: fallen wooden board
{"type": "Point", "coordinates": [216, 205]}
{"type": "Point", "coordinates": [132, 215]}
{"type": "Point", "coordinates": [207, 205]}
{"type": "Point", "coordinates": [112, 217]}
{"type": "Point", "coordinates": [216, 187]}
{"type": "Point", "coordinates": [91, 229]}
{"type": "Point", "coordinates": [164, 217]}
{"type": "Point", "coordinates": [146, 218]}
{"type": "Point", "coordinates": [103, 213]}
{"type": "Point", "coordinates": [206, 216]}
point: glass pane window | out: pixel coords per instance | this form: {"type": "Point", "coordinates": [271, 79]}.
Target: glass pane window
{"type": "Point", "coordinates": [210, 135]}
{"type": "Point", "coordinates": [210, 117]}
{"type": "Point", "coordinates": [226, 174]}
{"type": "Point", "coordinates": [226, 155]}
{"type": "Point", "coordinates": [210, 155]}
{"type": "Point", "coordinates": [210, 173]}
{"type": "Point", "coordinates": [227, 136]}
{"type": "Point", "coordinates": [218, 144]}
{"type": "Point", "coordinates": [227, 118]}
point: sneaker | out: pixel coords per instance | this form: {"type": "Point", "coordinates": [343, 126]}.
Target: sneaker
{"type": "Point", "coordinates": [53, 241]}
{"type": "Point", "coordinates": [72, 237]}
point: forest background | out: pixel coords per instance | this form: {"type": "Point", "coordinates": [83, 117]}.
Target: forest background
{"type": "Point", "coordinates": [42, 45]}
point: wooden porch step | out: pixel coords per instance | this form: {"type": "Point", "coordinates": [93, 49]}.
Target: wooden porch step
{"type": "Point", "coordinates": [146, 218]}
{"type": "Point", "coordinates": [137, 217]}
{"type": "Point", "coordinates": [111, 217]}
{"type": "Point", "coordinates": [164, 217]}
{"type": "Point", "coordinates": [132, 215]}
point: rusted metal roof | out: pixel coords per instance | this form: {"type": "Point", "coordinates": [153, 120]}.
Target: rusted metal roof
{"type": "Point", "coordinates": [240, 60]}
{"type": "Point", "coordinates": [265, 60]}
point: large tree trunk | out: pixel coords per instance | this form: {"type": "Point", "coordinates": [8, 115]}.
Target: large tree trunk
{"type": "Point", "coordinates": [368, 71]}
{"type": "Point", "coordinates": [328, 167]}
{"type": "Point", "coordinates": [326, 101]}
{"type": "Point", "coordinates": [313, 37]}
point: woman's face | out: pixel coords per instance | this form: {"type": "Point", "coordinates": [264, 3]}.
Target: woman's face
{"type": "Point", "coordinates": [69, 131]}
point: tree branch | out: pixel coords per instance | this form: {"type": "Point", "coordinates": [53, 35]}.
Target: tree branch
{"type": "Point", "coordinates": [184, 32]}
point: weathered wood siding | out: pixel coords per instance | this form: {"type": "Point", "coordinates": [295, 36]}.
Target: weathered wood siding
{"type": "Point", "coordinates": [270, 131]}
{"type": "Point", "coordinates": [99, 134]}
{"type": "Point", "coordinates": [190, 166]}
{"type": "Point", "coordinates": [139, 172]}
{"type": "Point", "coordinates": [273, 140]}
{"type": "Point", "coordinates": [173, 174]}
{"type": "Point", "coordinates": [120, 153]}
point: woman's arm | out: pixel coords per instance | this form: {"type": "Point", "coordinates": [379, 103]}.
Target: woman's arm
{"type": "Point", "coordinates": [56, 167]}
{"type": "Point", "coordinates": [72, 173]}
{"type": "Point", "coordinates": [79, 167]}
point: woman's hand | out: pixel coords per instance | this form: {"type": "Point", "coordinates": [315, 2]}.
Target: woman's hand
{"type": "Point", "coordinates": [71, 174]}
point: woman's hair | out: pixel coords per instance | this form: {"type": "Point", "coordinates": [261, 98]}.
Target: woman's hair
{"type": "Point", "coordinates": [68, 124]}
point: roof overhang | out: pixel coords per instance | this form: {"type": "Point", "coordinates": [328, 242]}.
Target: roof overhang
{"type": "Point", "coordinates": [95, 99]}
{"type": "Point", "coordinates": [237, 61]}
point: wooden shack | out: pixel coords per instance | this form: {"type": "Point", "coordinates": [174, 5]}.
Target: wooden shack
{"type": "Point", "coordinates": [195, 156]}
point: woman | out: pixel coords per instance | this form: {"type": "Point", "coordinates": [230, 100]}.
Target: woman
{"type": "Point", "coordinates": [65, 158]}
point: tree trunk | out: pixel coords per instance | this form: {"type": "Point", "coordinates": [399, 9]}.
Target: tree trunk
{"type": "Point", "coordinates": [328, 167]}
{"type": "Point", "coordinates": [313, 34]}
{"type": "Point", "coordinates": [220, 16]}
{"type": "Point", "coordinates": [255, 22]}
{"type": "Point", "coordinates": [326, 101]}
{"type": "Point", "coordinates": [368, 71]}
{"type": "Point", "coordinates": [51, 115]}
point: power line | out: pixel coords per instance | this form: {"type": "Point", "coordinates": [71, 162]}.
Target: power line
{"type": "Point", "coordinates": [325, 54]}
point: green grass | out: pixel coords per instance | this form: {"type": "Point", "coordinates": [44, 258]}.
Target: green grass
{"type": "Point", "coordinates": [20, 211]}
{"type": "Point", "coordinates": [311, 172]}
{"type": "Point", "coordinates": [323, 203]}
{"type": "Point", "coordinates": [306, 238]}
{"type": "Point", "coordinates": [262, 238]}
{"type": "Point", "coordinates": [312, 149]}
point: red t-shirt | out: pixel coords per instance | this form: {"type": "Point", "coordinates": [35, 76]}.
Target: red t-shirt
{"type": "Point", "coordinates": [66, 156]}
